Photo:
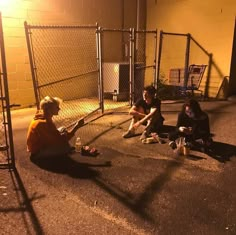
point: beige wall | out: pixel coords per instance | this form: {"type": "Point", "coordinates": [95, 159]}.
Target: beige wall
{"type": "Point", "coordinates": [210, 22]}
{"type": "Point", "coordinates": [108, 13]}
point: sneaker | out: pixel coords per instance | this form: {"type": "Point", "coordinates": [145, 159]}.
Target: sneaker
{"type": "Point", "coordinates": [189, 145]}
{"type": "Point", "coordinates": [173, 145]}
{"type": "Point", "coordinates": [128, 134]}
{"type": "Point", "coordinates": [144, 135]}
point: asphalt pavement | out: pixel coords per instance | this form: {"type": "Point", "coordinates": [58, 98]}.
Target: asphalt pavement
{"type": "Point", "coordinates": [130, 187]}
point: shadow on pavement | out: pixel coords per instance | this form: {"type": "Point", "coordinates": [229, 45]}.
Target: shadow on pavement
{"type": "Point", "coordinates": [140, 204]}
{"type": "Point", "coordinates": [24, 203]}
{"type": "Point", "coordinates": [222, 151]}
{"type": "Point", "coordinates": [66, 165]}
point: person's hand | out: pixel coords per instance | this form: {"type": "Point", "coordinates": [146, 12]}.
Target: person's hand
{"type": "Point", "coordinates": [185, 130]}
{"type": "Point", "coordinates": [136, 125]}
{"type": "Point", "coordinates": [182, 129]}
{"type": "Point", "coordinates": [62, 130]}
{"type": "Point", "coordinates": [188, 131]}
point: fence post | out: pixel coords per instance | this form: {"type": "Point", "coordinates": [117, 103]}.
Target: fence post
{"type": "Point", "coordinates": [159, 58]}
{"type": "Point", "coordinates": [100, 71]}
{"type": "Point", "coordinates": [32, 67]}
{"type": "Point", "coordinates": [7, 100]}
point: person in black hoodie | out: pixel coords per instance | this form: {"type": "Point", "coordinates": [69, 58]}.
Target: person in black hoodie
{"type": "Point", "coordinates": [146, 111]}
{"type": "Point", "coordinates": [192, 124]}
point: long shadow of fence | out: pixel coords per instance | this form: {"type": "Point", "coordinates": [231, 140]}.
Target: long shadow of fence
{"type": "Point", "coordinates": [21, 203]}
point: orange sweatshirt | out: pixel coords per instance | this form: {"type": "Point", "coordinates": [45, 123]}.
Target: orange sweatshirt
{"type": "Point", "coordinates": [43, 133]}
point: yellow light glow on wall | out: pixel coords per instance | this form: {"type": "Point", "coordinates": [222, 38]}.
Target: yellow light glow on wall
{"type": "Point", "coordinates": [6, 3]}
{"type": "Point", "coordinates": [116, 68]}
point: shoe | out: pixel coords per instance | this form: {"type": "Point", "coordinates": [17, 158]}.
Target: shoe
{"type": "Point", "coordinates": [144, 135]}
{"type": "Point", "coordinates": [72, 150]}
{"type": "Point", "coordinates": [157, 138]}
{"type": "Point", "coordinates": [128, 134]}
{"type": "Point", "coordinates": [189, 145]}
{"type": "Point", "coordinates": [173, 145]}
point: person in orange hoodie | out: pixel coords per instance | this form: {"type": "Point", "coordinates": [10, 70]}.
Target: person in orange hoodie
{"type": "Point", "coordinates": [43, 138]}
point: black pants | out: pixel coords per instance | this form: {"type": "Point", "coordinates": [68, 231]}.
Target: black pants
{"type": "Point", "coordinates": [156, 124]}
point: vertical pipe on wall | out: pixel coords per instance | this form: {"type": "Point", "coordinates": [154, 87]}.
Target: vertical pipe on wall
{"type": "Point", "coordinates": [137, 14]}
{"type": "Point", "coordinates": [187, 60]}
{"type": "Point", "coordinates": [159, 58]}
{"type": "Point", "coordinates": [137, 21]}
{"type": "Point", "coordinates": [122, 27]}
{"type": "Point", "coordinates": [155, 62]}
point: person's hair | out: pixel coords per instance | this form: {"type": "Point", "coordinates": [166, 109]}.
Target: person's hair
{"type": "Point", "coordinates": [194, 105]}
{"type": "Point", "coordinates": [150, 89]}
{"type": "Point", "coordinates": [47, 102]}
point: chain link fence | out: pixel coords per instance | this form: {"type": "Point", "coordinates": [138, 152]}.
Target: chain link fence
{"type": "Point", "coordinates": [177, 52]}
{"type": "Point", "coordinates": [7, 158]}
{"type": "Point", "coordinates": [90, 68]}
{"type": "Point", "coordinates": [64, 64]}
{"type": "Point", "coordinates": [145, 60]}
{"type": "Point", "coordinates": [129, 59]}
{"type": "Point", "coordinates": [115, 58]}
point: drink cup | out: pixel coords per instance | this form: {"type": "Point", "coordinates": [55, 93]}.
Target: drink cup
{"type": "Point", "coordinates": [186, 150]}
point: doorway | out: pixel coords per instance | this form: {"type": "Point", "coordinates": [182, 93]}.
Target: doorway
{"type": "Point", "coordinates": [232, 78]}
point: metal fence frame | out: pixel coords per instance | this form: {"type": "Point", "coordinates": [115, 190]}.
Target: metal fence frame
{"type": "Point", "coordinates": [99, 31]}
{"type": "Point", "coordinates": [133, 59]}
{"type": "Point", "coordinates": [7, 155]}
{"type": "Point", "coordinates": [34, 70]}
{"type": "Point", "coordinates": [189, 42]}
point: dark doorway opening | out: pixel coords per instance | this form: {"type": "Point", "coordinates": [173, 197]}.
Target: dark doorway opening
{"type": "Point", "coordinates": [232, 78]}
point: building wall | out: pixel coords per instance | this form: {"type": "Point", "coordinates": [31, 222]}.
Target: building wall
{"type": "Point", "coordinates": [108, 13]}
{"type": "Point", "coordinates": [210, 22]}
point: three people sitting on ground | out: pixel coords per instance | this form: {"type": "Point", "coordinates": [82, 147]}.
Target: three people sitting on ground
{"type": "Point", "coordinates": [45, 140]}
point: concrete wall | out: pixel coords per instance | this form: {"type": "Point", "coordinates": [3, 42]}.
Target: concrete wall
{"type": "Point", "coordinates": [210, 22]}
{"type": "Point", "coordinates": [108, 13]}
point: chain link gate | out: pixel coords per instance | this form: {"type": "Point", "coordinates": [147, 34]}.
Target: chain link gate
{"type": "Point", "coordinates": [145, 60]}
{"type": "Point", "coordinates": [7, 158]}
{"type": "Point", "coordinates": [64, 64]}
{"type": "Point", "coordinates": [115, 65]}
{"type": "Point", "coordinates": [89, 67]}
{"type": "Point", "coordinates": [177, 52]}
{"type": "Point", "coordinates": [128, 57]}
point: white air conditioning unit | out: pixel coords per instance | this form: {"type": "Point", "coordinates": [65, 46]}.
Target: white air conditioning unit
{"type": "Point", "coordinates": [116, 80]}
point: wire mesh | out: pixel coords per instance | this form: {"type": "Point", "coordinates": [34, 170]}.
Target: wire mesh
{"type": "Point", "coordinates": [115, 46]}
{"type": "Point", "coordinates": [66, 63]}
{"type": "Point", "coordinates": [6, 138]}
{"type": "Point", "coordinates": [176, 52]}
{"type": "Point", "coordinates": [173, 54]}
{"type": "Point", "coordinates": [65, 60]}
{"type": "Point", "coordinates": [145, 60]}
{"type": "Point", "coordinates": [198, 57]}
{"type": "Point", "coordinates": [4, 154]}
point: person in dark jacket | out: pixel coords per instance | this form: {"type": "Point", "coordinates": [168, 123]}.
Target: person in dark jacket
{"type": "Point", "coordinates": [192, 124]}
